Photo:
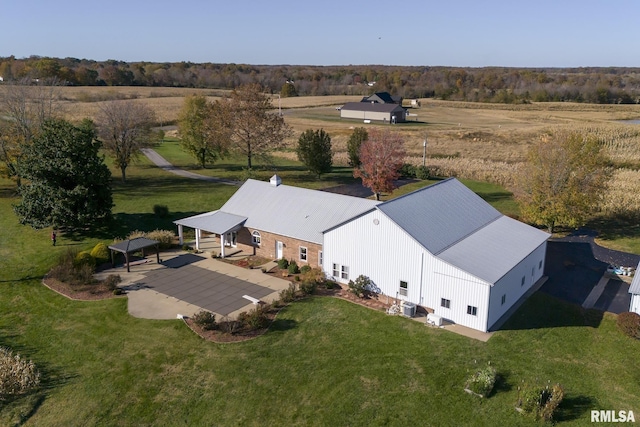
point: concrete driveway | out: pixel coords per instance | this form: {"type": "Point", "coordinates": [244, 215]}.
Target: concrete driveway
{"type": "Point", "coordinates": [186, 283]}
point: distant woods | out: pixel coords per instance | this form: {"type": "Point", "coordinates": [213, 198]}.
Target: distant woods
{"type": "Point", "coordinates": [599, 85]}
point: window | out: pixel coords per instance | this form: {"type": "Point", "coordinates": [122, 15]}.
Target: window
{"type": "Point", "coordinates": [303, 253]}
{"type": "Point", "coordinates": [320, 258]}
{"type": "Point", "coordinates": [504, 298]}
{"type": "Point", "coordinates": [255, 237]}
{"type": "Point", "coordinates": [472, 310]}
{"type": "Point", "coordinates": [445, 303]}
{"type": "Point", "coordinates": [336, 270]}
{"type": "Point", "coordinates": [521, 284]}
{"type": "Point", "coordinates": [403, 288]}
{"type": "Point", "coordinates": [345, 272]}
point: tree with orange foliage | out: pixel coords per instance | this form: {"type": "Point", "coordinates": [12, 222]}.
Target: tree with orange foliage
{"type": "Point", "coordinates": [381, 157]}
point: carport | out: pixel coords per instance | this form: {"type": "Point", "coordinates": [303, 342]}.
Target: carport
{"type": "Point", "coordinates": [131, 246]}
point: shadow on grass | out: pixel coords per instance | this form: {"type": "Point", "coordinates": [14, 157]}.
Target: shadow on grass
{"type": "Point", "coordinates": [502, 383]}
{"type": "Point", "coordinates": [572, 408]}
{"type": "Point", "coordinates": [282, 325]}
{"type": "Point", "coordinates": [544, 311]}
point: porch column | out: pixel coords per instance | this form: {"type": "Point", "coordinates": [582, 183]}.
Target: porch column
{"type": "Point", "coordinates": [180, 235]}
{"type": "Point", "coordinates": [222, 245]}
{"type": "Point", "coordinates": [197, 239]}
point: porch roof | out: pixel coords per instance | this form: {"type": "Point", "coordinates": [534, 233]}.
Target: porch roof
{"type": "Point", "coordinates": [217, 222]}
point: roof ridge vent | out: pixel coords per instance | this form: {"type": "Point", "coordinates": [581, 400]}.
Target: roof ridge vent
{"type": "Point", "coordinates": [275, 180]}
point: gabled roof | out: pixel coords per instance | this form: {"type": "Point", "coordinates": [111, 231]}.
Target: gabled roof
{"type": "Point", "coordinates": [383, 97]}
{"type": "Point", "coordinates": [441, 214]}
{"type": "Point", "coordinates": [635, 283]}
{"type": "Point", "coordinates": [371, 106]}
{"type": "Point", "coordinates": [133, 245]}
{"type": "Point", "coordinates": [295, 212]}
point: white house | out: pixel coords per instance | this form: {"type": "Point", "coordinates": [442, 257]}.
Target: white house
{"type": "Point", "coordinates": [634, 290]}
{"type": "Point", "coordinates": [441, 247]}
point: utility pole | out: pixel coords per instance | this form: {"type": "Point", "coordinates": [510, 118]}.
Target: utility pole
{"type": "Point", "coordinates": [424, 151]}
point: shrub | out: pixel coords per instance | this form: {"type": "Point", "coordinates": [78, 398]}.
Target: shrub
{"type": "Point", "coordinates": [359, 286]}
{"type": "Point", "coordinates": [541, 402]}
{"type": "Point", "coordinates": [112, 281]}
{"type": "Point", "coordinates": [205, 319]}
{"type": "Point", "coordinates": [422, 172]}
{"type": "Point", "coordinates": [308, 287]}
{"type": "Point", "coordinates": [84, 258]}
{"type": "Point", "coordinates": [164, 238]}
{"type": "Point", "coordinates": [100, 252]}
{"type": "Point", "coordinates": [118, 291]}
{"type": "Point", "coordinates": [629, 324]}
{"type": "Point", "coordinates": [135, 234]}
{"type": "Point", "coordinates": [289, 294]}
{"type": "Point", "coordinates": [297, 278]}
{"type": "Point", "coordinates": [329, 284]}
{"type": "Point", "coordinates": [283, 263]}
{"type": "Point", "coordinates": [293, 267]}
{"type": "Point", "coordinates": [305, 269]}
{"type": "Point", "coordinates": [17, 375]}
{"type": "Point", "coordinates": [161, 211]}
{"type": "Point", "coordinates": [256, 318]}
{"type": "Point", "coordinates": [186, 247]}
{"type": "Point", "coordinates": [407, 170]}
{"type": "Point", "coordinates": [482, 381]}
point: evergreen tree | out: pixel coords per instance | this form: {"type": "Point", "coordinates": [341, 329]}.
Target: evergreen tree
{"type": "Point", "coordinates": [353, 146]}
{"type": "Point", "coordinates": [314, 150]}
{"type": "Point", "coordinates": [67, 183]}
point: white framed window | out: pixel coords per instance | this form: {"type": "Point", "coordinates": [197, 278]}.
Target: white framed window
{"type": "Point", "coordinates": [344, 272]}
{"type": "Point", "coordinates": [445, 303]}
{"type": "Point", "coordinates": [404, 288]}
{"type": "Point", "coordinates": [472, 310]}
{"type": "Point", "coordinates": [320, 258]}
{"type": "Point", "coordinates": [303, 253]}
{"type": "Point", "coordinates": [255, 237]}
{"type": "Point", "coordinates": [336, 270]}
{"type": "Point", "coordinates": [504, 298]}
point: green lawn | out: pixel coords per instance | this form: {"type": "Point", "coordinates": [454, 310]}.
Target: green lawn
{"type": "Point", "coordinates": [325, 361]}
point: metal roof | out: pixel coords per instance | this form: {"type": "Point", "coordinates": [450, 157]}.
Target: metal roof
{"type": "Point", "coordinates": [634, 288]}
{"type": "Point", "coordinates": [493, 250]}
{"type": "Point", "coordinates": [440, 215]}
{"type": "Point", "coordinates": [215, 222]}
{"type": "Point", "coordinates": [295, 212]}
{"type": "Point", "coordinates": [370, 106]}
{"type": "Point", "coordinates": [133, 245]}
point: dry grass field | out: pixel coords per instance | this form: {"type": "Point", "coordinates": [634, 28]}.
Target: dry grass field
{"type": "Point", "coordinates": [486, 142]}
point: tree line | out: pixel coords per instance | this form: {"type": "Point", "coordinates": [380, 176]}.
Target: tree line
{"type": "Point", "coordinates": [602, 85]}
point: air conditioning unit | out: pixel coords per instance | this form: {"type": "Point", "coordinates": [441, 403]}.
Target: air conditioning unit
{"type": "Point", "coordinates": [408, 309]}
{"type": "Point", "coordinates": [434, 319]}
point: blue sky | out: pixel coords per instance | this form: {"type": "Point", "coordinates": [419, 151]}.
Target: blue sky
{"type": "Point", "coordinates": [477, 33]}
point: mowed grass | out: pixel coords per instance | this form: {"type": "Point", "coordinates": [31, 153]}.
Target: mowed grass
{"type": "Point", "coordinates": [324, 361]}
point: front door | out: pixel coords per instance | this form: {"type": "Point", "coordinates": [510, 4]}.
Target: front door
{"type": "Point", "coordinates": [231, 239]}
{"type": "Point", "coordinates": [279, 251]}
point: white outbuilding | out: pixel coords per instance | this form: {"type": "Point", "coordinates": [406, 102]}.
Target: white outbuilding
{"type": "Point", "coordinates": [634, 290]}
{"type": "Point", "coordinates": [441, 247]}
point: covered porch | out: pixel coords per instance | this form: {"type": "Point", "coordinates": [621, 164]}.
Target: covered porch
{"type": "Point", "coordinates": [222, 224]}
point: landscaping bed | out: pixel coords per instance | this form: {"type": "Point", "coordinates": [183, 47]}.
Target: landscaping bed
{"type": "Point", "coordinates": [91, 292]}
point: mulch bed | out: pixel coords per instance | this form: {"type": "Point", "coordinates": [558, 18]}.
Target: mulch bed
{"type": "Point", "coordinates": [94, 292]}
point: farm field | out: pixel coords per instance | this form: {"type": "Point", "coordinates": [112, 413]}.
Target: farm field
{"type": "Point", "coordinates": [324, 362]}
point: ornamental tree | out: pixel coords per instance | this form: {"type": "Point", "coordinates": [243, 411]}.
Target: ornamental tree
{"type": "Point", "coordinates": [67, 183]}
{"type": "Point", "coordinates": [314, 150]}
{"type": "Point", "coordinates": [381, 157]}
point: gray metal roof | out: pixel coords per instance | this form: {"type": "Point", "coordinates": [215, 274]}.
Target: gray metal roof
{"type": "Point", "coordinates": [295, 212]}
{"type": "Point", "coordinates": [133, 245]}
{"type": "Point", "coordinates": [635, 283]}
{"type": "Point", "coordinates": [215, 222]}
{"type": "Point", "coordinates": [440, 215]}
{"type": "Point", "coordinates": [493, 250]}
{"type": "Point", "coordinates": [369, 106]}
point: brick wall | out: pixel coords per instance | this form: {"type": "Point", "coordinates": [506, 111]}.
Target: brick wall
{"type": "Point", "coordinates": [267, 247]}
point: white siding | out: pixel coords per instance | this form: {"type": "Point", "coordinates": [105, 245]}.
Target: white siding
{"type": "Point", "coordinates": [387, 254]}
{"type": "Point", "coordinates": [635, 302]}
{"type": "Point", "coordinates": [531, 269]}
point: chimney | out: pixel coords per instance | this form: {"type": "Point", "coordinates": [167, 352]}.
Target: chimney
{"type": "Point", "coordinates": [275, 180]}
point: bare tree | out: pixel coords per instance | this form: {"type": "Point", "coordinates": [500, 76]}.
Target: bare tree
{"type": "Point", "coordinates": [255, 129]}
{"type": "Point", "coordinates": [125, 128]}
{"type": "Point", "coordinates": [25, 106]}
